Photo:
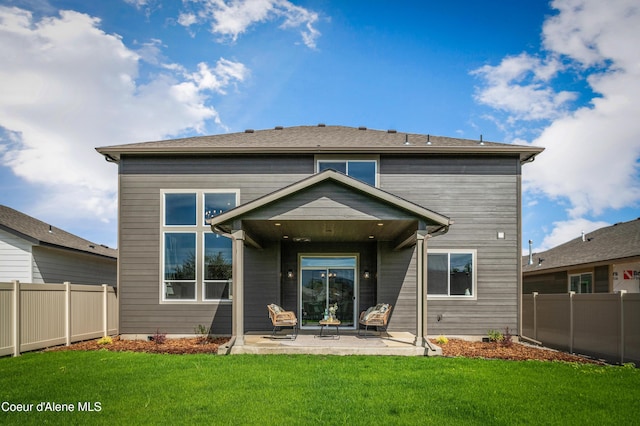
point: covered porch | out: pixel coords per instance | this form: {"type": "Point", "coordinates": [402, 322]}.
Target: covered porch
{"type": "Point", "coordinates": [340, 239]}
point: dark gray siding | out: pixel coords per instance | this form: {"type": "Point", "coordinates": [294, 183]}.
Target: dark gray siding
{"type": "Point", "coordinates": [226, 164]}
{"type": "Point", "coordinates": [262, 285]}
{"type": "Point", "coordinates": [312, 204]}
{"type": "Point", "coordinates": [368, 262]}
{"type": "Point", "coordinates": [449, 165]}
{"type": "Point", "coordinates": [553, 282]}
{"type": "Point", "coordinates": [601, 279]}
{"type": "Point", "coordinates": [397, 286]}
{"type": "Point", "coordinates": [482, 196]}
{"type": "Point", "coordinates": [140, 248]}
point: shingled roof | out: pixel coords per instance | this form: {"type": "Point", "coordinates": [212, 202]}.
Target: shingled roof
{"type": "Point", "coordinates": [616, 242]}
{"type": "Point", "coordinates": [320, 139]}
{"type": "Point", "coordinates": [43, 234]}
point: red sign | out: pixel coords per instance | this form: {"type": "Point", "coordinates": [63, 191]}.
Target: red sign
{"type": "Point", "coordinates": [628, 275]}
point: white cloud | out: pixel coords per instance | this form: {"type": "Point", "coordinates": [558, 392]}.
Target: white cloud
{"type": "Point", "coordinates": [592, 154]}
{"type": "Point", "coordinates": [519, 86]}
{"type": "Point", "coordinates": [230, 19]}
{"type": "Point", "coordinates": [564, 231]}
{"type": "Point", "coordinates": [70, 87]}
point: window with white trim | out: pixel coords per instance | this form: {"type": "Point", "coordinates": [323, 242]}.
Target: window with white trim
{"type": "Point", "coordinates": [365, 170]}
{"type": "Point", "coordinates": [451, 273]}
{"type": "Point", "coordinates": [581, 283]}
{"type": "Point", "coordinates": [196, 263]}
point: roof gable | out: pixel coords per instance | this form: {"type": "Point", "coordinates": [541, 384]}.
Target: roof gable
{"type": "Point", "coordinates": [352, 204]}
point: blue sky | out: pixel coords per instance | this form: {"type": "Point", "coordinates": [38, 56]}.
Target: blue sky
{"type": "Point", "coordinates": [563, 75]}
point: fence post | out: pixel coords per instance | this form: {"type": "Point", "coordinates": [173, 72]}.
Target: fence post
{"type": "Point", "coordinates": [571, 294]}
{"type": "Point", "coordinates": [16, 318]}
{"type": "Point", "coordinates": [105, 308]}
{"type": "Point", "coordinates": [622, 292]}
{"type": "Point", "coordinates": [535, 315]}
{"type": "Point", "coordinates": [67, 313]}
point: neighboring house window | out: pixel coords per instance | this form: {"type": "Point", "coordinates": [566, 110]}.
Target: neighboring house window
{"type": "Point", "coordinates": [451, 273]}
{"type": "Point", "coordinates": [581, 283]}
{"type": "Point", "coordinates": [363, 170]}
{"type": "Point", "coordinates": [191, 253]}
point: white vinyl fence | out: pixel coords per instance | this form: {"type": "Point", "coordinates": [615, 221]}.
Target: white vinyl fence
{"type": "Point", "coordinates": [36, 316]}
{"type": "Point", "coordinates": [603, 325]}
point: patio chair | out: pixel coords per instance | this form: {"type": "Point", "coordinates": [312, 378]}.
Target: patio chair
{"type": "Point", "coordinates": [282, 319]}
{"type": "Point", "coordinates": [376, 316]}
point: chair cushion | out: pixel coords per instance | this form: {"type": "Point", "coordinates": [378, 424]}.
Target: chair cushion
{"type": "Point", "coordinates": [380, 308]}
{"type": "Point", "coordinates": [276, 309]}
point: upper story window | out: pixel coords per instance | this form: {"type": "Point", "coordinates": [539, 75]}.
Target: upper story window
{"type": "Point", "coordinates": [451, 273]}
{"type": "Point", "coordinates": [196, 263]}
{"type": "Point", "coordinates": [180, 209]}
{"type": "Point", "coordinates": [365, 170]}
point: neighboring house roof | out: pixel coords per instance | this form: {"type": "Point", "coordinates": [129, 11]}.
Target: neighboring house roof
{"type": "Point", "coordinates": [320, 139]}
{"type": "Point", "coordinates": [43, 234]}
{"type": "Point", "coordinates": [616, 242]}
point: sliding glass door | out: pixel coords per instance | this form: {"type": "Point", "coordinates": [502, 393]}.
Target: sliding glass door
{"type": "Point", "coordinates": [326, 281]}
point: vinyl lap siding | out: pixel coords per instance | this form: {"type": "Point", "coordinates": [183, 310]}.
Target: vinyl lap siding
{"type": "Point", "coordinates": [15, 258]}
{"type": "Point", "coordinates": [141, 181]}
{"type": "Point", "coordinates": [482, 197]}
{"type": "Point", "coordinates": [480, 194]}
{"type": "Point", "coordinates": [57, 266]}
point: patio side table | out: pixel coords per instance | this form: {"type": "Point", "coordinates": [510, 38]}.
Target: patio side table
{"type": "Point", "coordinates": [330, 323]}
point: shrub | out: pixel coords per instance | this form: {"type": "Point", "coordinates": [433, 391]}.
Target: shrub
{"type": "Point", "coordinates": [442, 340]}
{"type": "Point", "coordinates": [203, 333]}
{"type": "Point", "coordinates": [106, 340]}
{"type": "Point", "coordinates": [159, 338]}
{"type": "Point", "coordinates": [495, 336]}
{"type": "Point", "coordinates": [507, 338]}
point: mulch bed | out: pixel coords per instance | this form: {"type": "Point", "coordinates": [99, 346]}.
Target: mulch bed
{"type": "Point", "coordinates": [453, 348]}
{"type": "Point", "coordinates": [516, 352]}
{"type": "Point", "coordinates": [169, 346]}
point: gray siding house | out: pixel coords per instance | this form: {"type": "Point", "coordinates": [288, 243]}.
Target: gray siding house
{"type": "Point", "coordinates": [606, 260]}
{"type": "Point", "coordinates": [214, 228]}
{"type": "Point", "coordinates": [32, 251]}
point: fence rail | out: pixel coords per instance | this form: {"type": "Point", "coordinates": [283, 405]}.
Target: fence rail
{"type": "Point", "coordinates": [36, 316]}
{"type": "Point", "coordinates": [603, 325]}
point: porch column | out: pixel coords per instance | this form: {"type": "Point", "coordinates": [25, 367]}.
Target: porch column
{"type": "Point", "coordinates": [421, 289]}
{"type": "Point", "coordinates": [237, 303]}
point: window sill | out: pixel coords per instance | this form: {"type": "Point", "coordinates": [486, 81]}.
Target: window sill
{"type": "Point", "coordinates": [461, 298]}
{"type": "Point", "coordinates": [196, 302]}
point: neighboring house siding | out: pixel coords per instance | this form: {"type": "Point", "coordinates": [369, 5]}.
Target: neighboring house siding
{"type": "Point", "coordinates": [601, 279]}
{"type": "Point", "coordinates": [52, 265]}
{"type": "Point", "coordinates": [140, 244]}
{"type": "Point", "coordinates": [482, 197]}
{"type": "Point", "coordinates": [15, 258]}
{"type": "Point", "coordinates": [553, 282]}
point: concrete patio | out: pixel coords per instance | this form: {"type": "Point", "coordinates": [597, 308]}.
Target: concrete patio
{"type": "Point", "coordinates": [347, 343]}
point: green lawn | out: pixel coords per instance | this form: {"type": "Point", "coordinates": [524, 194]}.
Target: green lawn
{"type": "Point", "coordinates": [137, 388]}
